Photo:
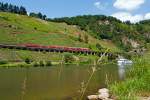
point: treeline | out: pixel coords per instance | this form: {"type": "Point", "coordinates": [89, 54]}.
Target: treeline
{"type": "Point", "coordinates": [38, 15]}
{"type": "Point", "coordinates": [110, 28]}
{"type": "Point", "coordinates": [84, 21]}
{"type": "Point", "coordinates": [5, 7]}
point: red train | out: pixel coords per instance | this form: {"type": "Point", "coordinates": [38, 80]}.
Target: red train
{"type": "Point", "coordinates": [64, 48]}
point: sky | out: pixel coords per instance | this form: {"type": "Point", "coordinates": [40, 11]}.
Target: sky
{"type": "Point", "coordinates": [132, 10]}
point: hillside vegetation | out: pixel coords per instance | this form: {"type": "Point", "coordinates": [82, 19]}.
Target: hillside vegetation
{"type": "Point", "coordinates": [20, 29]}
{"type": "Point", "coordinates": [123, 34]}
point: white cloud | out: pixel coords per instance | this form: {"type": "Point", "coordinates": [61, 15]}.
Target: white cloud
{"type": "Point", "coordinates": [147, 16]}
{"type": "Point", "coordinates": [99, 5]}
{"type": "Point", "coordinates": [128, 4]}
{"type": "Point", "coordinates": [125, 16]}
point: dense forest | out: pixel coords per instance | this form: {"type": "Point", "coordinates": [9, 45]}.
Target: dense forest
{"type": "Point", "coordinates": [125, 34]}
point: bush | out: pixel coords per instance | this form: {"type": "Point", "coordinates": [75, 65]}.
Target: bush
{"type": "Point", "coordinates": [68, 58]}
{"type": "Point", "coordinates": [41, 63]}
{"type": "Point", "coordinates": [98, 46]}
{"type": "Point", "coordinates": [48, 63]}
{"type": "Point", "coordinates": [35, 64]}
{"type": "Point", "coordinates": [3, 62]}
{"type": "Point", "coordinates": [27, 61]}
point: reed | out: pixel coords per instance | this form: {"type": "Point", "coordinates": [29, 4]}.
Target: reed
{"type": "Point", "coordinates": [94, 69]}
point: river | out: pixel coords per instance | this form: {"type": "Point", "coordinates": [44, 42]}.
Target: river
{"type": "Point", "coordinates": [56, 82]}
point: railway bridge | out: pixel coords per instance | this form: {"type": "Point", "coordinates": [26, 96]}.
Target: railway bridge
{"type": "Point", "coordinates": [56, 50]}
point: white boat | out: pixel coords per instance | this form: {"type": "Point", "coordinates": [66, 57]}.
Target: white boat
{"type": "Point", "coordinates": [123, 61]}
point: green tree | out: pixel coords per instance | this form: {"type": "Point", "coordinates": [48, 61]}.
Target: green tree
{"type": "Point", "coordinates": [27, 61]}
{"type": "Point", "coordinates": [22, 11]}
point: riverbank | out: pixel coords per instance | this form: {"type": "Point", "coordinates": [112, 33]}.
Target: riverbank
{"type": "Point", "coordinates": [137, 83]}
{"type": "Point", "coordinates": [41, 64]}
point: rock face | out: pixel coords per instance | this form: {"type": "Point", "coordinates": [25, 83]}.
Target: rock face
{"type": "Point", "coordinates": [103, 94]}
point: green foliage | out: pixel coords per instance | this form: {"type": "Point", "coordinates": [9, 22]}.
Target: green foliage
{"type": "Point", "coordinates": [2, 62]}
{"type": "Point", "coordinates": [41, 63]}
{"type": "Point", "coordinates": [103, 27]}
{"type": "Point", "coordinates": [98, 46]}
{"type": "Point", "coordinates": [137, 82]}
{"type": "Point", "coordinates": [48, 63]}
{"type": "Point", "coordinates": [35, 64]}
{"type": "Point", "coordinates": [5, 7]}
{"type": "Point", "coordinates": [38, 15]}
{"type": "Point", "coordinates": [27, 61]}
{"type": "Point", "coordinates": [68, 58]}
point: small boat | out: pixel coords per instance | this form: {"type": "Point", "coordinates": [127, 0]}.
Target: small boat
{"type": "Point", "coordinates": [123, 61]}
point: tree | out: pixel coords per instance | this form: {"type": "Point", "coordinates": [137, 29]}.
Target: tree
{"type": "Point", "coordinates": [27, 61]}
{"type": "Point", "coordinates": [44, 17]}
{"type": "Point", "coordinates": [40, 15]}
{"type": "Point", "coordinates": [12, 8]}
{"type": "Point", "coordinates": [22, 11]}
{"type": "Point", "coordinates": [16, 9]}
{"type": "Point", "coordinates": [33, 15]}
{"type": "Point", "coordinates": [1, 7]}
{"type": "Point", "coordinates": [5, 7]}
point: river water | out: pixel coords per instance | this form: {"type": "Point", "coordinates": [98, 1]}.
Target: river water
{"type": "Point", "coordinates": [55, 83]}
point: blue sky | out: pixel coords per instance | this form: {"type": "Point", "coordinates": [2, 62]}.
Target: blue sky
{"type": "Point", "coordinates": [133, 10]}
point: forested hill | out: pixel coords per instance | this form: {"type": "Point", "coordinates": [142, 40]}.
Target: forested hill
{"type": "Point", "coordinates": [124, 34]}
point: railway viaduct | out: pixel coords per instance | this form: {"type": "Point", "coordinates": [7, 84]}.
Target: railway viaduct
{"type": "Point", "coordinates": [36, 49]}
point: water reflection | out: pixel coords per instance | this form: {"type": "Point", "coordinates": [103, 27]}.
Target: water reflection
{"type": "Point", "coordinates": [122, 64]}
{"type": "Point", "coordinates": [24, 86]}
{"type": "Point", "coordinates": [121, 71]}
{"type": "Point", "coordinates": [54, 83]}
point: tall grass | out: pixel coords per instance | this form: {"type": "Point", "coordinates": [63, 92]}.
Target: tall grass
{"type": "Point", "coordinates": [94, 69]}
{"type": "Point", "coordinates": [137, 83]}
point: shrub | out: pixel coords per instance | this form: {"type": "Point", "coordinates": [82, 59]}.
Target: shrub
{"type": "Point", "coordinates": [48, 63]}
{"type": "Point", "coordinates": [3, 62]}
{"type": "Point", "coordinates": [35, 28]}
{"type": "Point", "coordinates": [68, 58]}
{"type": "Point", "coordinates": [35, 64]}
{"type": "Point", "coordinates": [98, 46]}
{"type": "Point", "coordinates": [41, 63]}
{"type": "Point", "coordinates": [27, 61]}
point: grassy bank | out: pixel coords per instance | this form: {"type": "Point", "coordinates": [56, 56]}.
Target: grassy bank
{"type": "Point", "coordinates": [137, 83]}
